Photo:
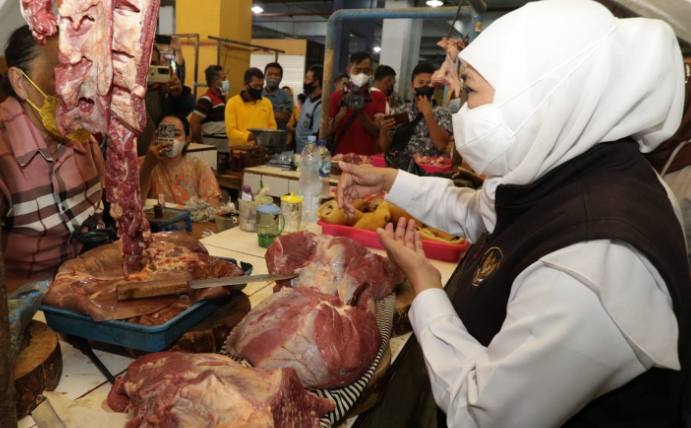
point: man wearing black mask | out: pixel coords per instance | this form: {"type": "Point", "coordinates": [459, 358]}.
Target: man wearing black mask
{"type": "Point", "coordinates": [428, 128]}
{"type": "Point", "coordinates": [310, 114]}
{"type": "Point", "coordinates": [384, 81]}
{"type": "Point", "coordinates": [249, 110]}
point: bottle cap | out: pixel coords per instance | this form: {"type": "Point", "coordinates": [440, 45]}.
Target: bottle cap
{"type": "Point", "coordinates": [268, 208]}
{"type": "Point", "coordinates": [291, 198]}
{"type": "Point", "coordinates": [312, 138]}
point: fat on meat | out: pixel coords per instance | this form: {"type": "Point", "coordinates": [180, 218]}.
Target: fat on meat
{"type": "Point", "coordinates": [337, 266]}
{"type": "Point", "coordinates": [179, 390]}
{"type": "Point", "coordinates": [447, 74]}
{"type": "Point", "coordinates": [40, 17]}
{"type": "Point", "coordinates": [329, 344]}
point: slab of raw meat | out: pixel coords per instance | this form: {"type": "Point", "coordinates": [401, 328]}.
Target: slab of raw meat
{"type": "Point", "coordinates": [334, 265]}
{"type": "Point", "coordinates": [40, 17]}
{"type": "Point", "coordinates": [83, 83]}
{"type": "Point", "coordinates": [172, 389]}
{"type": "Point", "coordinates": [88, 283]}
{"type": "Point", "coordinates": [328, 343]}
{"type": "Point", "coordinates": [447, 74]}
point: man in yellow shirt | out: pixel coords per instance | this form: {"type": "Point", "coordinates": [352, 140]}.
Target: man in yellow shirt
{"type": "Point", "coordinates": [249, 110]}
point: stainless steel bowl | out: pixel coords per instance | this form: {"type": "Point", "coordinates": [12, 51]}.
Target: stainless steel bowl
{"type": "Point", "coordinates": [268, 137]}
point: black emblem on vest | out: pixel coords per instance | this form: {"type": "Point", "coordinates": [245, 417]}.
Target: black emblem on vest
{"type": "Point", "coordinates": [490, 262]}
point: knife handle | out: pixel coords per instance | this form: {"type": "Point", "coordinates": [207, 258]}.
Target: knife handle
{"type": "Point", "coordinates": [142, 290]}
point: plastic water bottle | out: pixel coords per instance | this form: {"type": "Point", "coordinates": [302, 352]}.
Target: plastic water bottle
{"type": "Point", "coordinates": [310, 185]}
{"type": "Point", "coordinates": [325, 171]}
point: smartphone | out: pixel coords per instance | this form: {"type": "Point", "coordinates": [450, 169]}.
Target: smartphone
{"type": "Point", "coordinates": [163, 40]}
{"type": "Point", "coordinates": [400, 118]}
{"type": "Point", "coordinates": [166, 134]}
{"type": "Point", "coordinates": [159, 74]}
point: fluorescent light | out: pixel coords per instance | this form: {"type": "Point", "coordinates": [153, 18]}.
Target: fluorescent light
{"type": "Point", "coordinates": [258, 9]}
{"type": "Point", "coordinates": [435, 3]}
{"type": "Point", "coordinates": [376, 49]}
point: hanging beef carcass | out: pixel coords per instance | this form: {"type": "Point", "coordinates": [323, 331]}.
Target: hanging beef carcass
{"type": "Point", "coordinates": [447, 74]}
{"type": "Point", "coordinates": [178, 390]}
{"type": "Point", "coordinates": [105, 49]}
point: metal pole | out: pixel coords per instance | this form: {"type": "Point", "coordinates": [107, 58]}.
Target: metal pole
{"type": "Point", "coordinates": [235, 42]}
{"type": "Point", "coordinates": [8, 407]}
{"type": "Point", "coordinates": [218, 52]}
{"type": "Point", "coordinates": [369, 14]}
{"type": "Point", "coordinates": [196, 63]}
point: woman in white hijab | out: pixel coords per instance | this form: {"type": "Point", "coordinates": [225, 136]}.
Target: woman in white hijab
{"type": "Point", "coordinates": [572, 307]}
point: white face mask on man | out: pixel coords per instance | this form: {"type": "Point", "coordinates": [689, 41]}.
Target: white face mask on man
{"type": "Point", "coordinates": [359, 79]}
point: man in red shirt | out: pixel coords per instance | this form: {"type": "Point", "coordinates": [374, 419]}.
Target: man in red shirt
{"type": "Point", "coordinates": [355, 130]}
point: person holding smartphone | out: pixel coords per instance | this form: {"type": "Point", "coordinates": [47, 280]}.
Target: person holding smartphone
{"type": "Point", "coordinates": [165, 169]}
{"type": "Point", "coordinates": [416, 127]}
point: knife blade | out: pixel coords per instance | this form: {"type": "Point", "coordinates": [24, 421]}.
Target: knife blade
{"type": "Point", "coordinates": [143, 290]}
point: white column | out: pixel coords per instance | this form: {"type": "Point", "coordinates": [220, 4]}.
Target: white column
{"type": "Point", "coordinates": [400, 45]}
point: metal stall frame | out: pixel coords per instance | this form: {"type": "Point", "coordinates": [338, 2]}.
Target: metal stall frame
{"type": "Point", "coordinates": [194, 36]}
{"type": "Point", "coordinates": [371, 14]}
{"type": "Point", "coordinates": [221, 40]}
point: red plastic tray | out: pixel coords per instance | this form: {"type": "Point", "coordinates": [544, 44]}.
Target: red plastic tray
{"type": "Point", "coordinates": [378, 160]}
{"type": "Point", "coordinates": [433, 249]}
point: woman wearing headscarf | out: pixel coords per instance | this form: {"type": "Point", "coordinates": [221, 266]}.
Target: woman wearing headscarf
{"type": "Point", "coordinates": [572, 307]}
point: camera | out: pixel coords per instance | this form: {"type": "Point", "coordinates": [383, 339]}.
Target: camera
{"type": "Point", "coordinates": [357, 99]}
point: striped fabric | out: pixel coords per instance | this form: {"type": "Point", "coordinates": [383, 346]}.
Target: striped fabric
{"type": "Point", "coordinates": [345, 397]}
{"type": "Point", "coordinates": [43, 203]}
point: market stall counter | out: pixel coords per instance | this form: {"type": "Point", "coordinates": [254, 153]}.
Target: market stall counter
{"type": "Point", "coordinates": [83, 382]}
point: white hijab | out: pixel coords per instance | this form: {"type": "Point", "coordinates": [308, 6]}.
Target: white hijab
{"type": "Point", "coordinates": [568, 75]}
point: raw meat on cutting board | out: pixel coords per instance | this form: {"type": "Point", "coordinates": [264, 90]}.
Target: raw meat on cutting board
{"type": "Point", "coordinates": [329, 344]}
{"type": "Point", "coordinates": [337, 266]}
{"type": "Point", "coordinates": [87, 284]}
{"type": "Point", "coordinates": [177, 390]}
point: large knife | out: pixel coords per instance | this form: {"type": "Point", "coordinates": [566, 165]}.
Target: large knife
{"type": "Point", "coordinates": [167, 287]}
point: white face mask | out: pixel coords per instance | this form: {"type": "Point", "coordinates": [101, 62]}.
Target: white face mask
{"type": "Point", "coordinates": [482, 139]}
{"type": "Point", "coordinates": [359, 79]}
{"type": "Point", "coordinates": [178, 145]}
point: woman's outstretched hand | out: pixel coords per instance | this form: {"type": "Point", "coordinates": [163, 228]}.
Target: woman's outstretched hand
{"type": "Point", "coordinates": [359, 181]}
{"type": "Point", "coordinates": [404, 248]}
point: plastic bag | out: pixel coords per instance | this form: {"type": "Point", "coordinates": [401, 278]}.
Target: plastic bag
{"type": "Point", "coordinates": [284, 159]}
{"type": "Point", "coordinates": [23, 304]}
{"type": "Point", "coordinates": [402, 161]}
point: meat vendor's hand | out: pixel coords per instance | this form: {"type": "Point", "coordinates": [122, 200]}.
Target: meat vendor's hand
{"type": "Point", "coordinates": [404, 249]}
{"type": "Point", "coordinates": [174, 85]}
{"type": "Point", "coordinates": [423, 105]}
{"type": "Point", "coordinates": [359, 181]}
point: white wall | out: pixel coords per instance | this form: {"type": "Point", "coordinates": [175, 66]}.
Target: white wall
{"type": "Point", "coordinates": [10, 19]}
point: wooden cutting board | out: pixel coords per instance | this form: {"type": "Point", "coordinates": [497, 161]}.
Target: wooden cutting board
{"type": "Point", "coordinates": [37, 368]}
{"type": "Point", "coordinates": [375, 389]}
{"type": "Point", "coordinates": [404, 299]}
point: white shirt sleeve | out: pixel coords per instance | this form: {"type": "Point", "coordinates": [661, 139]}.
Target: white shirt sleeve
{"type": "Point", "coordinates": [557, 350]}
{"type": "Point", "coordinates": [438, 203]}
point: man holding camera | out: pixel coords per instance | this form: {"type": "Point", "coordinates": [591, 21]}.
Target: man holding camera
{"type": "Point", "coordinates": [355, 111]}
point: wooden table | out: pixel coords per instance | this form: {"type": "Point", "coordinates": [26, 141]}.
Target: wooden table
{"type": "Point", "coordinates": [230, 180]}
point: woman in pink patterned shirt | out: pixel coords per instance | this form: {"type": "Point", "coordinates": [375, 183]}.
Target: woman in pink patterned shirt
{"type": "Point", "coordinates": [49, 186]}
{"type": "Point", "coordinates": [165, 170]}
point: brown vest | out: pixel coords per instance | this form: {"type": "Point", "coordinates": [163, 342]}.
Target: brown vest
{"type": "Point", "coordinates": [610, 192]}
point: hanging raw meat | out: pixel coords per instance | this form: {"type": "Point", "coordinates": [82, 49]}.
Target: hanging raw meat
{"type": "Point", "coordinates": [105, 49]}
{"type": "Point", "coordinates": [447, 74]}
